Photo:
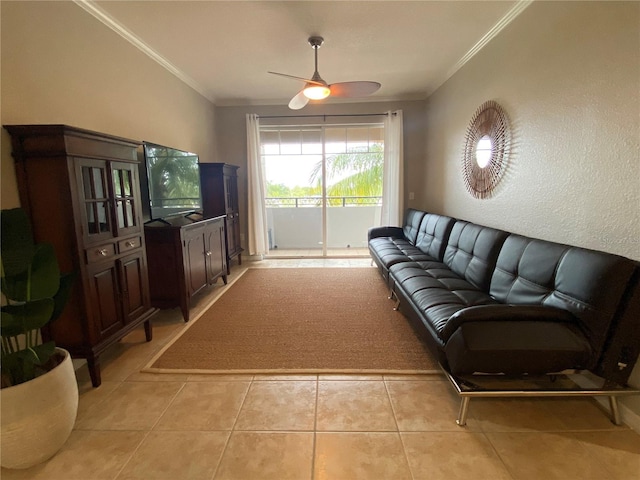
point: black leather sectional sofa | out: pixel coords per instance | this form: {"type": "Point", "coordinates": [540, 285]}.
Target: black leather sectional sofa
{"type": "Point", "coordinates": [490, 301]}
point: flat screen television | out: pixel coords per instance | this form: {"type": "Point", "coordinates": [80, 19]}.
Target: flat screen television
{"type": "Point", "coordinates": [173, 182]}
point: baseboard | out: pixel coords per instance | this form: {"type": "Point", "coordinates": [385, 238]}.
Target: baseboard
{"type": "Point", "coordinates": [78, 363]}
{"type": "Point", "coordinates": [630, 418]}
{"type": "Point", "coordinates": [627, 415]}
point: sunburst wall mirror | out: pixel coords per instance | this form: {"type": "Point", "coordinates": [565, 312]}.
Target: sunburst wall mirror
{"type": "Point", "coordinates": [486, 149]}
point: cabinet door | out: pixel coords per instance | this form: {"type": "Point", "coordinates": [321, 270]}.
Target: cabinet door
{"type": "Point", "coordinates": [230, 193]}
{"type": "Point", "coordinates": [216, 252]}
{"type": "Point", "coordinates": [95, 212]}
{"type": "Point", "coordinates": [124, 181]}
{"type": "Point", "coordinates": [233, 234]}
{"type": "Point", "coordinates": [104, 299]}
{"type": "Point", "coordinates": [195, 264]}
{"type": "Point", "coordinates": [135, 296]}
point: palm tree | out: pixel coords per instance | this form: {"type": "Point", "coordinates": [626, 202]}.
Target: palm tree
{"type": "Point", "coordinates": [364, 167]}
{"type": "Point", "coordinates": [173, 177]}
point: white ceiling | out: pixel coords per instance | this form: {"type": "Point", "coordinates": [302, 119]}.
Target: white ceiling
{"type": "Point", "coordinates": [224, 49]}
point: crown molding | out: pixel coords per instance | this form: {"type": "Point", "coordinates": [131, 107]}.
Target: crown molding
{"type": "Point", "coordinates": [516, 10]}
{"type": "Point", "coordinates": [90, 7]}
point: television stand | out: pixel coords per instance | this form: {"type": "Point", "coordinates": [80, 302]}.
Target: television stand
{"type": "Point", "coordinates": [184, 256]}
{"type": "Point", "coordinates": [161, 220]}
{"type": "Point", "coordinates": [194, 216]}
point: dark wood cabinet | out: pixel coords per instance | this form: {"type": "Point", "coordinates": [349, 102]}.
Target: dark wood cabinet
{"type": "Point", "coordinates": [81, 191]}
{"type": "Point", "coordinates": [219, 182]}
{"type": "Point", "coordinates": [185, 255]}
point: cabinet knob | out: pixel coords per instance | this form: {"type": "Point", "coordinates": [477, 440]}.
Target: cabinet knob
{"type": "Point", "coordinates": [103, 251]}
{"type": "Point", "coordinates": [130, 244]}
{"type": "Point", "coordinates": [208, 254]}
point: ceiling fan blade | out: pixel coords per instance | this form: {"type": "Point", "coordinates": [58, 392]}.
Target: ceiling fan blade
{"type": "Point", "coordinates": [353, 89]}
{"type": "Point", "coordinates": [307, 80]}
{"type": "Point", "coordinates": [298, 101]}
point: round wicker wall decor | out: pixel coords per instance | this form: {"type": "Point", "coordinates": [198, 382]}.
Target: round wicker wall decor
{"type": "Point", "coordinates": [486, 149]}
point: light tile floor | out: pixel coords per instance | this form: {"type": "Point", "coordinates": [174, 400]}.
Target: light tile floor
{"type": "Point", "coordinates": [139, 426]}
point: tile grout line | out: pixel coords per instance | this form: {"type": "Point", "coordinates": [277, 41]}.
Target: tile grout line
{"type": "Point", "coordinates": [395, 419]}
{"type": "Point", "coordinates": [233, 429]}
{"type": "Point", "coordinates": [148, 432]}
{"type": "Point", "coordinates": [315, 430]}
{"type": "Point", "coordinates": [133, 453]}
{"type": "Point", "coordinates": [595, 454]}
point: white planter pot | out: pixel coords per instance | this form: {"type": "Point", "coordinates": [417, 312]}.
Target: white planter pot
{"type": "Point", "coordinates": [38, 416]}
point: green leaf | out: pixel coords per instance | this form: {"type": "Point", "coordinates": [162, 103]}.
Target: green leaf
{"type": "Point", "coordinates": [16, 241]}
{"type": "Point", "coordinates": [15, 287]}
{"type": "Point", "coordinates": [43, 352]}
{"type": "Point", "coordinates": [21, 366]}
{"type": "Point", "coordinates": [12, 368]}
{"type": "Point", "coordinates": [11, 326]}
{"type": "Point", "coordinates": [30, 315]}
{"type": "Point", "coordinates": [364, 166]}
{"type": "Point", "coordinates": [61, 298]}
{"type": "Point", "coordinates": [45, 274]}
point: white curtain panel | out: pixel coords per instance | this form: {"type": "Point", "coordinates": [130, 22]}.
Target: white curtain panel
{"type": "Point", "coordinates": [393, 176]}
{"type": "Point", "coordinates": [257, 210]}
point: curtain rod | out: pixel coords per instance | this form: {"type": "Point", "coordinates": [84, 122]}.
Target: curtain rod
{"type": "Point", "coordinates": [325, 116]}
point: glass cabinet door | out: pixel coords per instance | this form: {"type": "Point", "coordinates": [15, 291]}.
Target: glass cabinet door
{"type": "Point", "coordinates": [124, 178]}
{"type": "Point", "coordinates": [109, 205]}
{"type": "Point", "coordinates": [96, 215]}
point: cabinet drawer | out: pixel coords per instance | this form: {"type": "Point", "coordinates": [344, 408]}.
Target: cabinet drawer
{"type": "Point", "coordinates": [101, 252]}
{"type": "Point", "coordinates": [129, 244]}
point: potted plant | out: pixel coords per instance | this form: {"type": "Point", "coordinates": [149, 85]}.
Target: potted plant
{"type": "Point", "coordinates": [39, 392]}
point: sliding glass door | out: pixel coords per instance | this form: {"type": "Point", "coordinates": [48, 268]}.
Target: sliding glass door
{"type": "Point", "coordinates": [323, 187]}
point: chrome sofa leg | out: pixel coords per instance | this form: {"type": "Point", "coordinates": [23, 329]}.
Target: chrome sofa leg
{"type": "Point", "coordinates": [397, 305]}
{"type": "Point", "coordinates": [615, 413]}
{"type": "Point", "coordinates": [464, 410]}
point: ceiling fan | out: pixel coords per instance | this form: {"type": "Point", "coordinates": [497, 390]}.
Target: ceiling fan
{"type": "Point", "coordinates": [317, 89]}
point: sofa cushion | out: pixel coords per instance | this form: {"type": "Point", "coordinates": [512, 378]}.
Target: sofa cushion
{"type": "Point", "coordinates": [531, 271]}
{"type": "Point", "coordinates": [472, 251]}
{"type": "Point", "coordinates": [392, 254]}
{"type": "Point", "coordinates": [412, 222]}
{"type": "Point", "coordinates": [433, 236]}
{"type": "Point", "coordinates": [435, 292]}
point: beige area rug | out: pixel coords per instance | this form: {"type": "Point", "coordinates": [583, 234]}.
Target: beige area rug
{"type": "Point", "coordinates": [305, 320]}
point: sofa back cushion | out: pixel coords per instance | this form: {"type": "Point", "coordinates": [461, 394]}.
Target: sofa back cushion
{"type": "Point", "coordinates": [412, 224]}
{"type": "Point", "coordinates": [472, 251]}
{"type": "Point", "coordinates": [434, 234]}
{"type": "Point", "coordinates": [587, 283]}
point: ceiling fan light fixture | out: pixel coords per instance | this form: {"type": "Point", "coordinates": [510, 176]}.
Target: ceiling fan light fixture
{"type": "Point", "coordinates": [316, 92]}
{"type": "Point", "coordinates": [316, 88]}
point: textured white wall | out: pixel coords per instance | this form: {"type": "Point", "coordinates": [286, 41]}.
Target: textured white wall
{"type": "Point", "coordinates": [568, 76]}
{"type": "Point", "coordinates": [61, 65]}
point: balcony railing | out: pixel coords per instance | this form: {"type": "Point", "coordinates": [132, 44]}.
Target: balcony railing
{"type": "Point", "coordinates": [296, 222]}
{"type": "Point", "coordinates": [347, 201]}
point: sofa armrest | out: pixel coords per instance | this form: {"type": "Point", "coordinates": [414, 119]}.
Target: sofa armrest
{"type": "Point", "coordinates": [506, 313]}
{"type": "Point", "coordinates": [376, 232]}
